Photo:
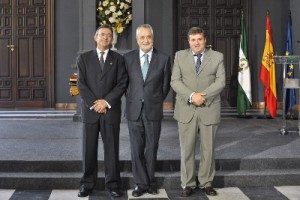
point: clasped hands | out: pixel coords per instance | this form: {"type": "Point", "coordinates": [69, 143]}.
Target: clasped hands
{"type": "Point", "coordinates": [198, 99]}
{"type": "Point", "coordinates": [100, 106]}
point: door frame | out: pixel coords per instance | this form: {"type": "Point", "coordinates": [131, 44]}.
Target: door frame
{"type": "Point", "coordinates": [50, 56]}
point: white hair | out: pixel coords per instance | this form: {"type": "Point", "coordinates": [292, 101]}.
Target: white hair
{"type": "Point", "coordinates": [148, 26]}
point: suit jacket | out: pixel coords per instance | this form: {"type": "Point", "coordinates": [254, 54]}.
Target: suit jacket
{"type": "Point", "coordinates": [210, 80]}
{"type": "Point", "coordinates": [153, 91]}
{"type": "Point", "coordinates": [109, 84]}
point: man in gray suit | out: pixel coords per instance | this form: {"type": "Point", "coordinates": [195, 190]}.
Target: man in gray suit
{"type": "Point", "coordinates": [102, 80]}
{"type": "Point", "coordinates": [149, 72]}
{"type": "Point", "coordinates": [198, 78]}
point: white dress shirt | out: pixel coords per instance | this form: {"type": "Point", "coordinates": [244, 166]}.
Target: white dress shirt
{"type": "Point", "coordinates": [142, 57]}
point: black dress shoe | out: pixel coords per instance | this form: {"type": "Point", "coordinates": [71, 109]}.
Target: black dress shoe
{"type": "Point", "coordinates": [116, 192]}
{"type": "Point", "coordinates": [187, 191]}
{"type": "Point", "coordinates": [209, 191]}
{"type": "Point", "coordinates": [152, 190]}
{"type": "Point", "coordinates": [84, 192]}
{"type": "Point", "coordinates": [138, 191]}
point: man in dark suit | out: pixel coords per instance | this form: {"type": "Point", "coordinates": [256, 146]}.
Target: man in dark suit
{"type": "Point", "coordinates": [198, 78]}
{"type": "Point", "coordinates": [102, 80]}
{"type": "Point", "coordinates": [149, 72]}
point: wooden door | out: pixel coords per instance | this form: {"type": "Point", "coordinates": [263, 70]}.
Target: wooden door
{"type": "Point", "coordinates": [221, 21]}
{"type": "Point", "coordinates": [26, 51]}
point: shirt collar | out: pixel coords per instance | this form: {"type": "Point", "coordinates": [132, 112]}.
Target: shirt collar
{"type": "Point", "coordinates": [98, 51]}
{"type": "Point", "coordinates": [200, 52]}
{"type": "Point", "coordinates": [149, 53]}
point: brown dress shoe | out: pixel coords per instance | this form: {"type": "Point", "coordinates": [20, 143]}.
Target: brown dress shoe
{"type": "Point", "coordinates": [209, 191]}
{"type": "Point", "coordinates": [187, 191]}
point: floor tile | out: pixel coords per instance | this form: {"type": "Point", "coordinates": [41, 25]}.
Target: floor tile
{"type": "Point", "coordinates": [291, 192]}
{"type": "Point", "coordinates": [6, 194]}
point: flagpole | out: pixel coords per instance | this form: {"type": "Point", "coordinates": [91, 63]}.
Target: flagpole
{"type": "Point", "coordinates": [265, 106]}
{"type": "Point", "coordinates": [244, 97]}
{"type": "Point", "coordinates": [267, 73]}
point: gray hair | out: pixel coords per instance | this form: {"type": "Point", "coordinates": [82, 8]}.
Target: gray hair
{"type": "Point", "coordinates": [104, 26]}
{"type": "Point", "coordinates": [148, 26]}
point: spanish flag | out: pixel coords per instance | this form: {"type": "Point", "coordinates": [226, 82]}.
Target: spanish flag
{"type": "Point", "coordinates": [267, 72]}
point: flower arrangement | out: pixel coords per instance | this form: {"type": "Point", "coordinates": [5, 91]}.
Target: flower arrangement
{"type": "Point", "coordinates": [116, 13]}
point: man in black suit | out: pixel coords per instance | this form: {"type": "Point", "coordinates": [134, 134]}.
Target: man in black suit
{"type": "Point", "coordinates": [149, 72]}
{"type": "Point", "coordinates": [102, 80]}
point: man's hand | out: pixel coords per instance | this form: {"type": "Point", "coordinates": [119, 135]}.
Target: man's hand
{"type": "Point", "coordinates": [198, 98]}
{"type": "Point", "coordinates": [100, 106]}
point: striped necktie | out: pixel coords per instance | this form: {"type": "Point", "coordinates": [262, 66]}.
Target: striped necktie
{"type": "Point", "coordinates": [101, 60]}
{"type": "Point", "coordinates": [198, 62]}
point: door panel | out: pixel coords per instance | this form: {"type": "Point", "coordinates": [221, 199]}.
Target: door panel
{"type": "Point", "coordinates": [25, 73]}
{"type": "Point", "coordinates": [6, 75]}
{"type": "Point", "coordinates": [221, 21]}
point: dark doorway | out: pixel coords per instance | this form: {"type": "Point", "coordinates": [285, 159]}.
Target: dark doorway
{"type": "Point", "coordinates": [221, 20]}
{"type": "Point", "coordinates": [26, 52]}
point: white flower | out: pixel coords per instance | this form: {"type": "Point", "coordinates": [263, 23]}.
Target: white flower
{"type": "Point", "coordinates": [113, 8]}
{"type": "Point", "coordinates": [122, 5]}
{"type": "Point", "coordinates": [105, 3]}
{"type": "Point", "coordinates": [116, 13]}
{"type": "Point", "coordinates": [129, 18]}
{"type": "Point", "coordinates": [112, 19]}
{"type": "Point", "coordinates": [126, 6]}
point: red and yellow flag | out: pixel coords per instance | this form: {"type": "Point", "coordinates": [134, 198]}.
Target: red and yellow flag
{"type": "Point", "coordinates": [268, 73]}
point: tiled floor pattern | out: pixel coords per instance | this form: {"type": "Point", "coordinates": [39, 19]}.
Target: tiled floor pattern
{"type": "Point", "coordinates": [229, 193]}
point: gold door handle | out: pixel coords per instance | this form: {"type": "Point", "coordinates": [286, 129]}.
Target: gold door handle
{"type": "Point", "coordinates": [11, 46]}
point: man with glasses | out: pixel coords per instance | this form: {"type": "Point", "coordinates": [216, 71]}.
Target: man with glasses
{"type": "Point", "coordinates": [102, 80]}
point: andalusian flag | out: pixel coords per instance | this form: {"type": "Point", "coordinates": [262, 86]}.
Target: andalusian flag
{"type": "Point", "coordinates": [268, 73]}
{"type": "Point", "coordinates": [290, 93]}
{"type": "Point", "coordinates": [244, 99]}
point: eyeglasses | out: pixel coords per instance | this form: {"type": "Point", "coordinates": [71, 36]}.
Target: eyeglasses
{"type": "Point", "coordinates": [104, 35]}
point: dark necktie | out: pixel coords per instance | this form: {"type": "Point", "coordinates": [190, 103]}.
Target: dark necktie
{"type": "Point", "coordinates": [101, 60]}
{"type": "Point", "coordinates": [145, 66]}
{"type": "Point", "coordinates": [198, 62]}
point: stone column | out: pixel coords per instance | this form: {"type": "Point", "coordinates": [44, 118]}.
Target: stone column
{"type": "Point", "coordinates": [138, 17]}
{"type": "Point", "coordinates": [87, 28]}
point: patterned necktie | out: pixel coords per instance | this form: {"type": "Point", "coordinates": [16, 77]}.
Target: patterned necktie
{"type": "Point", "coordinates": [145, 66]}
{"type": "Point", "coordinates": [198, 62]}
{"type": "Point", "coordinates": [101, 60]}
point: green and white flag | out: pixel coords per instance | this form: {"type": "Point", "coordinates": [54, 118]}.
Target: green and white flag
{"type": "Point", "coordinates": [244, 99]}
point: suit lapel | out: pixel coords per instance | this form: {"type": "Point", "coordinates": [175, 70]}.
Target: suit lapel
{"type": "Point", "coordinates": [206, 60]}
{"type": "Point", "coordinates": [97, 63]}
{"type": "Point", "coordinates": [137, 64]}
{"type": "Point", "coordinates": [190, 62]}
{"type": "Point", "coordinates": [153, 64]}
{"type": "Point", "coordinates": [108, 63]}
